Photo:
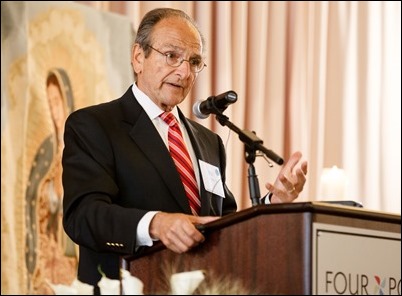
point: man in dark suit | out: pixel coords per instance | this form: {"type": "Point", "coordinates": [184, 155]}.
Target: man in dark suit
{"type": "Point", "coordinates": [121, 186]}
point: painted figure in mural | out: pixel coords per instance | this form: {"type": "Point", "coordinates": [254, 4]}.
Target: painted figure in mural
{"type": "Point", "coordinates": [50, 254]}
{"type": "Point", "coordinates": [122, 189]}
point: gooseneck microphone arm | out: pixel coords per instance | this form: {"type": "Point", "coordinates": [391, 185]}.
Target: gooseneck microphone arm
{"type": "Point", "coordinates": [252, 144]}
{"type": "Point", "coordinates": [250, 139]}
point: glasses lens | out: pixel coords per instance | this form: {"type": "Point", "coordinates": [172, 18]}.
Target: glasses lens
{"type": "Point", "coordinates": [175, 60]}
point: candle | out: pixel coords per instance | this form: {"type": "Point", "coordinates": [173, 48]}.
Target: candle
{"type": "Point", "coordinates": [332, 185]}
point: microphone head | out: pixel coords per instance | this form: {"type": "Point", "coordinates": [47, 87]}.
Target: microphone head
{"type": "Point", "coordinates": [197, 112]}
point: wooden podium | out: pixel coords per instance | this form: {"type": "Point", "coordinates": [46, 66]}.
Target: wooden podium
{"type": "Point", "coordinates": [270, 249]}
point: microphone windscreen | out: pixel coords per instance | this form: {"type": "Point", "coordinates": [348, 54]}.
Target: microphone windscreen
{"type": "Point", "coordinates": [197, 112]}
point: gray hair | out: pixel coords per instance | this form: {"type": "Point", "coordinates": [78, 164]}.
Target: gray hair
{"type": "Point", "coordinates": [154, 16]}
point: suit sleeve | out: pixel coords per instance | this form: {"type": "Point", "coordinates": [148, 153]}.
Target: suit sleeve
{"type": "Point", "coordinates": [92, 216]}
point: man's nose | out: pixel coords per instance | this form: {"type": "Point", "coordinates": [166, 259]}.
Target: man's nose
{"type": "Point", "coordinates": [184, 68]}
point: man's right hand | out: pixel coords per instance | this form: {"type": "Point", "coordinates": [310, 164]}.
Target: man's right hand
{"type": "Point", "coordinates": [178, 232]}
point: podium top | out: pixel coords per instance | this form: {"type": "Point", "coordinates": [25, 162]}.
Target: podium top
{"type": "Point", "coordinates": [332, 209]}
{"type": "Point", "coordinates": [349, 209]}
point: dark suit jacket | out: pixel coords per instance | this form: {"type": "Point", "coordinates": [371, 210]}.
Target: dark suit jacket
{"type": "Point", "coordinates": [116, 168]}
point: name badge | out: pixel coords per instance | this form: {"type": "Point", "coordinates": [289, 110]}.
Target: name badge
{"type": "Point", "coordinates": [212, 178]}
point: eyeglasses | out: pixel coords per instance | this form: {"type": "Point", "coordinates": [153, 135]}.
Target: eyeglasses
{"type": "Point", "coordinates": [175, 60]}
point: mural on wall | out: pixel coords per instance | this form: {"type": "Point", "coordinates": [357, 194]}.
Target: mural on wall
{"type": "Point", "coordinates": [49, 253]}
{"type": "Point", "coordinates": [55, 58]}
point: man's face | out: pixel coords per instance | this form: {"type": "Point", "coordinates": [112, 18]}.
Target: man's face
{"type": "Point", "coordinates": [166, 85]}
{"type": "Point", "coordinates": [56, 105]}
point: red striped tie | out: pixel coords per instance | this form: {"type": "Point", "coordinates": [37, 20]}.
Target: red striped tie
{"type": "Point", "coordinates": [183, 162]}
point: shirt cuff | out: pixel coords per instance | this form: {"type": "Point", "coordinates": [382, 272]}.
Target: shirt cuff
{"type": "Point", "coordinates": [267, 198]}
{"type": "Point", "coordinates": [143, 237]}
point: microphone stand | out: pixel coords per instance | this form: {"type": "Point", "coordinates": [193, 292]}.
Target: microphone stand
{"type": "Point", "coordinates": [253, 184]}
{"type": "Point", "coordinates": [252, 144]}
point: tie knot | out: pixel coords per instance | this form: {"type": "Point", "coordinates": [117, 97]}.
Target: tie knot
{"type": "Point", "coordinates": [168, 118]}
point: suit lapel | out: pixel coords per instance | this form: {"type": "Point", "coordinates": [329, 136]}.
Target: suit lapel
{"type": "Point", "coordinates": [202, 152]}
{"type": "Point", "coordinates": [147, 138]}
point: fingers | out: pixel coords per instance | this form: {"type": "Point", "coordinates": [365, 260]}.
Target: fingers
{"type": "Point", "coordinates": [291, 163]}
{"type": "Point", "coordinates": [304, 167]}
{"type": "Point", "coordinates": [203, 220]}
{"type": "Point", "coordinates": [177, 231]}
{"type": "Point", "coordinates": [290, 181]}
{"type": "Point", "coordinates": [287, 184]}
{"type": "Point", "coordinates": [181, 237]}
{"type": "Point", "coordinates": [301, 177]}
{"type": "Point", "coordinates": [291, 191]}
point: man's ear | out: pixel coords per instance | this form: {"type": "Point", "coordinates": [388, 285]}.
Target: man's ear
{"type": "Point", "coordinates": [137, 58]}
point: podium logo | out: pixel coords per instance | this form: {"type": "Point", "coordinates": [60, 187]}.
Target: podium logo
{"type": "Point", "coordinates": [360, 284]}
{"type": "Point", "coordinates": [379, 289]}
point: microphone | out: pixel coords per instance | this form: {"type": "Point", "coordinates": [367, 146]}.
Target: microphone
{"type": "Point", "coordinates": [214, 104]}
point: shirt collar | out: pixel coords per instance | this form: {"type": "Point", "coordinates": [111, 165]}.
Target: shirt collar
{"type": "Point", "coordinates": [152, 110]}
